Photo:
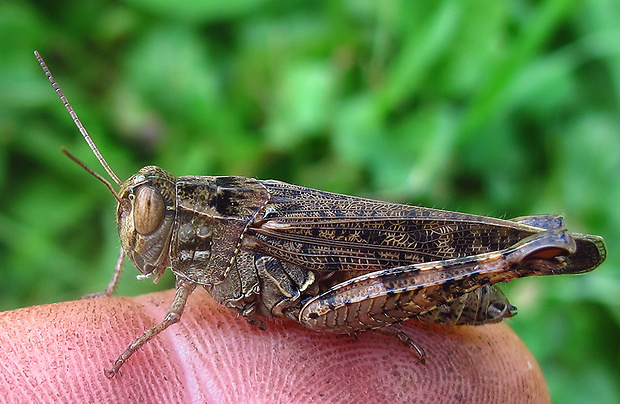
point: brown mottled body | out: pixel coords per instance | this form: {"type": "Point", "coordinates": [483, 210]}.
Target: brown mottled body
{"type": "Point", "coordinates": [329, 261]}
{"type": "Point", "coordinates": [276, 249]}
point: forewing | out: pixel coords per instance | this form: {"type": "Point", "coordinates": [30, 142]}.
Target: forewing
{"type": "Point", "coordinates": [325, 231]}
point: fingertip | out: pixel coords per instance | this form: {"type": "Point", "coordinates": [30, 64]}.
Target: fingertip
{"type": "Point", "coordinates": [231, 359]}
{"type": "Point", "coordinates": [212, 354]}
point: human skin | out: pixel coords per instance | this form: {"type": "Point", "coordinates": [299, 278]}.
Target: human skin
{"type": "Point", "coordinates": [57, 353]}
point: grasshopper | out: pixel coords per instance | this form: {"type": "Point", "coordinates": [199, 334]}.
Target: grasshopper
{"type": "Point", "coordinates": [331, 262]}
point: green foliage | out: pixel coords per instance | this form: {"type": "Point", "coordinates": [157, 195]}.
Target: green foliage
{"type": "Point", "coordinates": [495, 108]}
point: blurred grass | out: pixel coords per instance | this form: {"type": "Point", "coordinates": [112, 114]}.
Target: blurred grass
{"type": "Point", "coordinates": [495, 108]}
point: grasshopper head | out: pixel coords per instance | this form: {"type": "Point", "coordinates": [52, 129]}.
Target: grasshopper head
{"type": "Point", "coordinates": [145, 214]}
{"type": "Point", "coordinates": [146, 203]}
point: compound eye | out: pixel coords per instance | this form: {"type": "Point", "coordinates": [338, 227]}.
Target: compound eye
{"type": "Point", "coordinates": [148, 210]}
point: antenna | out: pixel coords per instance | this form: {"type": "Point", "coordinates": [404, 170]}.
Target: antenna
{"type": "Point", "coordinates": [82, 130]}
{"type": "Point", "coordinates": [91, 172]}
